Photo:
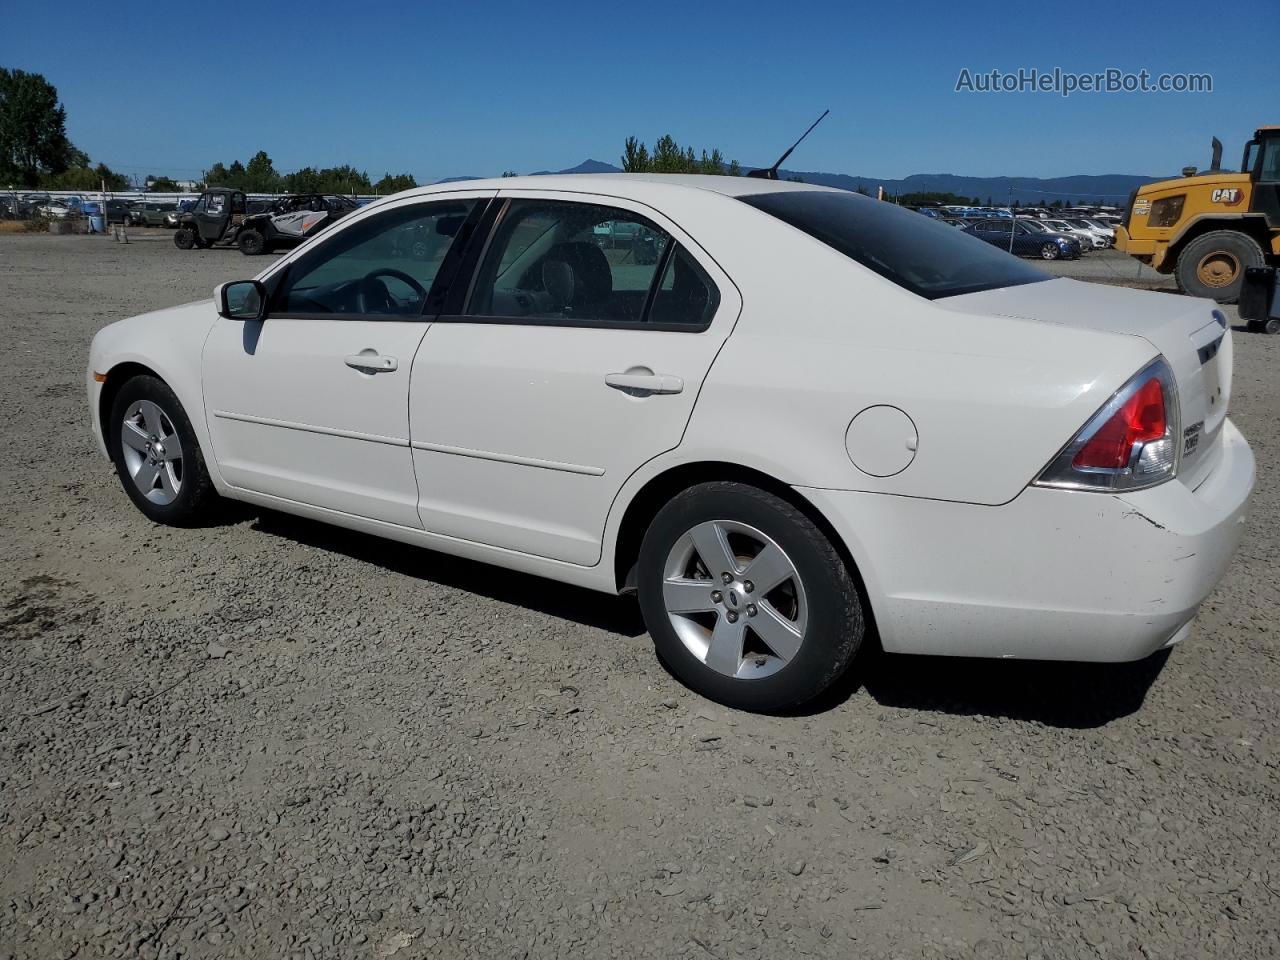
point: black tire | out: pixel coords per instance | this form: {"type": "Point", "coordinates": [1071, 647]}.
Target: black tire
{"type": "Point", "coordinates": [196, 498]}
{"type": "Point", "coordinates": [835, 621]}
{"type": "Point", "coordinates": [1195, 270]}
{"type": "Point", "coordinates": [1049, 251]}
{"type": "Point", "coordinates": [251, 242]}
{"type": "Point", "coordinates": [184, 238]}
{"type": "Point", "coordinates": [1270, 326]}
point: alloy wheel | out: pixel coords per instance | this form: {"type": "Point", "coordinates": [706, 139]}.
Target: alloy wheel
{"type": "Point", "coordinates": [152, 452]}
{"type": "Point", "coordinates": [735, 599]}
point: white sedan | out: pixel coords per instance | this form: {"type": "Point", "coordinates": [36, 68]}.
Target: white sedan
{"type": "Point", "coordinates": [789, 418]}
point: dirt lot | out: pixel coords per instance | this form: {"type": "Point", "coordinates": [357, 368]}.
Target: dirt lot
{"type": "Point", "coordinates": [274, 739]}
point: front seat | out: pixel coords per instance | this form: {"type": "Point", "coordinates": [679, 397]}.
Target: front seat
{"type": "Point", "coordinates": [577, 276]}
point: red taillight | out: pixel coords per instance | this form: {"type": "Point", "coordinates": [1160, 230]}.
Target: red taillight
{"type": "Point", "coordinates": [1140, 420]}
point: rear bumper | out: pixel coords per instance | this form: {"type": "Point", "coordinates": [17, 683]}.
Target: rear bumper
{"type": "Point", "coordinates": [1051, 575]}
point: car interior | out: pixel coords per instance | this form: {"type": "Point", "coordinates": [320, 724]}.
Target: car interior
{"type": "Point", "coordinates": [569, 261]}
{"type": "Point", "coordinates": [547, 261]}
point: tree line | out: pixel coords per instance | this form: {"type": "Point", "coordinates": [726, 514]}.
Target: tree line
{"type": "Point", "coordinates": [259, 175]}
{"type": "Point", "coordinates": [35, 151]}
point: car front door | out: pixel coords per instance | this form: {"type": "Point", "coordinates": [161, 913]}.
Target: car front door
{"type": "Point", "coordinates": [311, 404]}
{"type": "Point", "coordinates": [576, 356]}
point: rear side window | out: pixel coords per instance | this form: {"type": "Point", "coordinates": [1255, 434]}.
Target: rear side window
{"type": "Point", "coordinates": [686, 296]}
{"type": "Point", "coordinates": [555, 261]}
{"type": "Point", "coordinates": [917, 253]}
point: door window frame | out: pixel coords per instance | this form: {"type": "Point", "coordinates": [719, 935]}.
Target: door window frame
{"type": "Point", "coordinates": [274, 279]}
{"type": "Point", "coordinates": [463, 289]}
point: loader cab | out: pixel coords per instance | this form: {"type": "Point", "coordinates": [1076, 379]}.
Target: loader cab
{"type": "Point", "coordinates": [1262, 163]}
{"type": "Point", "coordinates": [218, 210]}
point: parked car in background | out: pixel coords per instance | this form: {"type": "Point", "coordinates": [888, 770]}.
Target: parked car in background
{"type": "Point", "coordinates": [1089, 239]}
{"type": "Point", "coordinates": [815, 418]}
{"type": "Point", "coordinates": [1101, 238]}
{"type": "Point", "coordinates": [151, 213]}
{"type": "Point", "coordinates": [54, 210]}
{"type": "Point", "coordinates": [1107, 232]}
{"type": "Point", "coordinates": [171, 218]}
{"type": "Point", "coordinates": [1026, 238]}
{"type": "Point", "coordinates": [118, 210]}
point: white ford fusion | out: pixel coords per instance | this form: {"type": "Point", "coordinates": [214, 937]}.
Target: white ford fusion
{"type": "Point", "coordinates": [784, 416]}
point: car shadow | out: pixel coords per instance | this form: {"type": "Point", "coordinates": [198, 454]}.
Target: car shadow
{"type": "Point", "coordinates": [1076, 696]}
{"type": "Point", "coordinates": [1055, 694]}
{"type": "Point", "coordinates": [619, 615]}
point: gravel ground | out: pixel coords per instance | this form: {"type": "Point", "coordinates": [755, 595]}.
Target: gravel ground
{"type": "Point", "coordinates": [270, 738]}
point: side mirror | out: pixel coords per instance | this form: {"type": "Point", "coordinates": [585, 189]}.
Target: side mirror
{"type": "Point", "coordinates": [241, 300]}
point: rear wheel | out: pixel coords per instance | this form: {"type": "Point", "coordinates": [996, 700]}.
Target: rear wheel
{"type": "Point", "coordinates": [1213, 265]}
{"type": "Point", "coordinates": [251, 242]}
{"type": "Point", "coordinates": [156, 454]}
{"type": "Point", "coordinates": [184, 238]}
{"type": "Point", "coordinates": [1049, 251]}
{"type": "Point", "coordinates": [748, 603]}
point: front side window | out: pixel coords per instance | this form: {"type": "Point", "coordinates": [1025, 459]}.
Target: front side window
{"type": "Point", "coordinates": [383, 266]}
{"type": "Point", "coordinates": [214, 203]}
{"type": "Point", "coordinates": [557, 261]}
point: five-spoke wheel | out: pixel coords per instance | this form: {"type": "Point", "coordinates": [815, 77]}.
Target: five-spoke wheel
{"type": "Point", "coordinates": [747, 601]}
{"type": "Point", "coordinates": [152, 451]}
{"type": "Point", "coordinates": [734, 599]}
{"type": "Point", "coordinates": [156, 453]}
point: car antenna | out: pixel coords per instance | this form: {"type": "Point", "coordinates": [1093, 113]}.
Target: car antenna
{"type": "Point", "coordinates": [771, 173]}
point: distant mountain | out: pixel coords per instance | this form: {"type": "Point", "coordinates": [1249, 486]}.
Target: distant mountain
{"type": "Point", "coordinates": [586, 166]}
{"type": "Point", "coordinates": [1111, 188]}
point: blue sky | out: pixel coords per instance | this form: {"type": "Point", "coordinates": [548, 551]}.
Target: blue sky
{"type": "Point", "coordinates": [450, 89]}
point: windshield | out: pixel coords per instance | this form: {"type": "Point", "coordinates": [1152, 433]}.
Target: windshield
{"type": "Point", "coordinates": [919, 254]}
{"type": "Point", "coordinates": [1035, 226]}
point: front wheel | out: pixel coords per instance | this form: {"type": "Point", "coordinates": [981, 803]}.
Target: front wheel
{"type": "Point", "coordinates": [748, 603]}
{"type": "Point", "coordinates": [184, 238]}
{"type": "Point", "coordinates": [1049, 251]}
{"type": "Point", "coordinates": [156, 454]}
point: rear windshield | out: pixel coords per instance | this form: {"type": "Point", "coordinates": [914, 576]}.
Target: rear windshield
{"type": "Point", "coordinates": [917, 253]}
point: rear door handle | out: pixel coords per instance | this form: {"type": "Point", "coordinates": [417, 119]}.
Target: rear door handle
{"type": "Point", "coordinates": [644, 383]}
{"type": "Point", "coordinates": [371, 361]}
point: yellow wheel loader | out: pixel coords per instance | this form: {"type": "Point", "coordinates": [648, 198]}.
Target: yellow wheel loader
{"type": "Point", "coordinates": [1207, 228]}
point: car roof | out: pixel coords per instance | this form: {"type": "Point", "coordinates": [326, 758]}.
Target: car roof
{"type": "Point", "coordinates": [635, 185]}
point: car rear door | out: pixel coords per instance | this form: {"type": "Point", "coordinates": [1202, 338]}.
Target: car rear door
{"type": "Point", "coordinates": [311, 404]}
{"type": "Point", "coordinates": [574, 358]}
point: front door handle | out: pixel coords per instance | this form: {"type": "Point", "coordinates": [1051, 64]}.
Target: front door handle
{"type": "Point", "coordinates": [644, 383]}
{"type": "Point", "coordinates": [371, 361]}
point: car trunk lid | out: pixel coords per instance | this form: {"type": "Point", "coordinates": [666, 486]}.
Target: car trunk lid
{"type": "Point", "coordinates": [1193, 335]}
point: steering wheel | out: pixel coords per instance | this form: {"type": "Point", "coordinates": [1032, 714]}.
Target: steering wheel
{"type": "Point", "coordinates": [387, 305]}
